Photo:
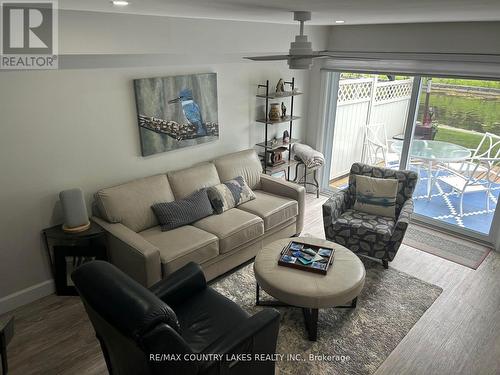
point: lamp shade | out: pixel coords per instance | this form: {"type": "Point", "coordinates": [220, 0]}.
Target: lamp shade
{"type": "Point", "coordinates": [76, 218]}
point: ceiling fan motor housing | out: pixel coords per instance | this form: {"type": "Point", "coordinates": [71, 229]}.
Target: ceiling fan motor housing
{"type": "Point", "coordinates": [300, 47]}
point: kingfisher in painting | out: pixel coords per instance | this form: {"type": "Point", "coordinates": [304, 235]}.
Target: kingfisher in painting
{"type": "Point", "coordinates": [191, 111]}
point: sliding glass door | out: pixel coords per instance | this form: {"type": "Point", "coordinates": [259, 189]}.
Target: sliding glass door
{"type": "Point", "coordinates": [445, 129]}
{"type": "Point", "coordinates": [455, 148]}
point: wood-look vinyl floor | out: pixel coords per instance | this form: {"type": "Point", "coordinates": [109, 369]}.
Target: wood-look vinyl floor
{"type": "Point", "coordinates": [459, 334]}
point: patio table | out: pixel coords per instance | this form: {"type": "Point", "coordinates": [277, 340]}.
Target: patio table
{"type": "Point", "coordinates": [434, 152]}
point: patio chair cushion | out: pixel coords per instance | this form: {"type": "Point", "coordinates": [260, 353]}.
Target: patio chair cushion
{"type": "Point", "coordinates": [460, 183]}
{"type": "Point", "coordinates": [363, 225]}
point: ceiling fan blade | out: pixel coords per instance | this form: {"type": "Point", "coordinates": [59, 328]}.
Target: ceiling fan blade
{"type": "Point", "coordinates": [268, 57]}
{"type": "Point", "coordinates": [320, 54]}
{"type": "Point", "coordinates": [286, 57]}
{"type": "Point", "coordinates": [300, 54]}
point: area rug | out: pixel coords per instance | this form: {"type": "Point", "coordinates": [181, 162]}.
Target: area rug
{"type": "Point", "coordinates": [351, 341]}
{"type": "Point", "coordinates": [445, 246]}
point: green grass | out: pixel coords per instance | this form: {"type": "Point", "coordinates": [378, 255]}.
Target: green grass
{"type": "Point", "coordinates": [468, 82]}
{"type": "Point", "coordinates": [465, 139]}
{"type": "Point", "coordinates": [460, 137]}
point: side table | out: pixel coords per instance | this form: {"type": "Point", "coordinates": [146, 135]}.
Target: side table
{"type": "Point", "coordinates": [6, 333]}
{"type": "Point", "coordinates": [67, 251]}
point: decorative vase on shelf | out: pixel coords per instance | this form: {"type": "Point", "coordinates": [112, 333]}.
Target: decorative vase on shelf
{"type": "Point", "coordinates": [286, 137]}
{"type": "Point", "coordinates": [275, 112]}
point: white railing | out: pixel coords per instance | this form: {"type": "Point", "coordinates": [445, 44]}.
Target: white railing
{"type": "Point", "coordinates": [366, 101]}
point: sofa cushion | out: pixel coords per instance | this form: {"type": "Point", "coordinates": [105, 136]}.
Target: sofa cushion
{"type": "Point", "coordinates": [182, 245]}
{"type": "Point", "coordinates": [233, 228]}
{"type": "Point", "coordinates": [369, 227]}
{"type": "Point", "coordinates": [183, 211]}
{"type": "Point", "coordinates": [229, 194]}
{"type": "Point", "coordinates": [130, 203]}
{"type": "Point", "coordinates": [273, 209]}
{"type": "Point", "coordinates": [244, 163]}
{"type": "Point", "coordinates": [185, 182]}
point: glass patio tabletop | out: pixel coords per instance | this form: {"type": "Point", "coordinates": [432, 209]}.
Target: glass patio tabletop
{"type": "Point", "coordinates": [434, 150]}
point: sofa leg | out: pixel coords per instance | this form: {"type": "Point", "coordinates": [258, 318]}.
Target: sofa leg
{"type": "Point", "coordinates": [385, 263]}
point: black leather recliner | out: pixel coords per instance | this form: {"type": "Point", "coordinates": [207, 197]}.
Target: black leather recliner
{"type": "Point", "coordinates": [169, 328]}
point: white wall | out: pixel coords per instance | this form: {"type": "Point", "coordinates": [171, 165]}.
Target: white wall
{"type": "Point", "coordinates": [452, 37]}
{"type": "Point", "coordinates": [77, 127]}
{"type": "Point", "coordinates": [92, 32]}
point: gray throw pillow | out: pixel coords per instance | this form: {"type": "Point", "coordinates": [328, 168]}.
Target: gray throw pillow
{"type": "Point", "coordinates": [184, 211]}
{"type": "Point", "coordinates": [230, 194]}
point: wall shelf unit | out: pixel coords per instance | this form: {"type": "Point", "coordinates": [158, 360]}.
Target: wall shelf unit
{"type": "Point", "coordinates": [268, 145]}
{"type": "Point", "coordinates": [280, 121]}
{"type": "Point", "coordinates": [273, 146]}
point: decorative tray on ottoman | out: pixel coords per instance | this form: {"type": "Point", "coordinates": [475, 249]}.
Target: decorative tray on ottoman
{"type": "Point", "coordinates": [306, 257]}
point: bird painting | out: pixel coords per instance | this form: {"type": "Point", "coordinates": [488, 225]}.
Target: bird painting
{"type": "Point", "coordinates": [176, 112]}
{"type": "Point", "coordinates": [191, 110]}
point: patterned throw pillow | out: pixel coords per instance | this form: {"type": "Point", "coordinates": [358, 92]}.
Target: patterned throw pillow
{"type": "Point", "coordinates": [184, 211]}
{"type": "Point", "coordinates": [376, 195]}
{"type": "Point", "coordinates": [229, 194]}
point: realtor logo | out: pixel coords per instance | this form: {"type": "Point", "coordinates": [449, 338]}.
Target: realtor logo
{"type": "Point", "coordinates": [28, 35]}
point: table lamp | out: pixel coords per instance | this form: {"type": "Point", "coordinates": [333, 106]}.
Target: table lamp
{"type": "Point", "coordinates": [76, 218]}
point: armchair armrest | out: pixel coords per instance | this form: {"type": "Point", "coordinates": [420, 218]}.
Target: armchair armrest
{"type": "Point", "coordinates": [131, 253]}
{"type": "Point", "coordinates": [257, 335]}
{"type": "Point", "coordinates": [336, 206]}
{"type": "Point", "coordinates": [404, 216]}
{"type": "Point", "coordinates": [181, 284]}
{"type": "Point", "coordinates": [286, 189]}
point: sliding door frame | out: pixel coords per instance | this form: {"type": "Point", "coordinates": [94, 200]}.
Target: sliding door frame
{"type": "Point", "coordinates": [330, 84]}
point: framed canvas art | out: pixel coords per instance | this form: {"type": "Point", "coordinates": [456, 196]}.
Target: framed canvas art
{"type": "Point", "coordinates": [176, 112]}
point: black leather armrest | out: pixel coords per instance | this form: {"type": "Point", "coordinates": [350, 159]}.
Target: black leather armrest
{"type": "Point", "coordinates": [181, 284]}
{"type": "Point", "coordinates": [257, 335]}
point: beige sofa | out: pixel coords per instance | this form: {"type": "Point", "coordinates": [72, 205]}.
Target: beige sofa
{"type": "Point", "coordinates": [218, 242]}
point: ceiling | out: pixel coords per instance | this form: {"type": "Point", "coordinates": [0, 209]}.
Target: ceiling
{"type": "Point", "coordinates": [325, 12]}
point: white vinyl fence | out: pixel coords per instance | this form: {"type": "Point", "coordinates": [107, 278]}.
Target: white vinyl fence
{"type": "Point", "coordinates": [365, 101]}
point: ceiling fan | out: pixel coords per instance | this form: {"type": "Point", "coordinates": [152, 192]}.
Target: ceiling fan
{"type": "Point", "coordinates": [301, 54]}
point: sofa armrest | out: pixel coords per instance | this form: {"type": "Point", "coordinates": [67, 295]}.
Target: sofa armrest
{"type": "Point", "coordinates": [338, 203]}
{"type": "Point", "coordinates": [404, 215]}
{"type": "Point", "coordinates": [181, 284]}
{"type": "Point", "coordinates": [130, 252]}
{"type": "Point", "coordinates": [289, 190]}
{"type": "Point", "coordinates": [257, 335]}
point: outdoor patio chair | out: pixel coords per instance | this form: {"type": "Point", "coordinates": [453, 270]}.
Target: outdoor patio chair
{"type": "Point", "coordinates": [367, 234]}
{"type": "Point", "coordinates": [376, 146]}
{"type": "Point", "coordinates": [477, 173]}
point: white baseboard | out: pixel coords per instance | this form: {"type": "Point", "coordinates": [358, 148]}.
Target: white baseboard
{"type": "Point", "coordinates": [14, 300]}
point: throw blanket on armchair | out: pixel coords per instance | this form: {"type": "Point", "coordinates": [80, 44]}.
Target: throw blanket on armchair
{"type": "Point", "coordinates": [309, 156]}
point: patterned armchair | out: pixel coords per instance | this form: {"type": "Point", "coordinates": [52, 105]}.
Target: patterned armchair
{"type": "Point", "coordinates": [368, 234]}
